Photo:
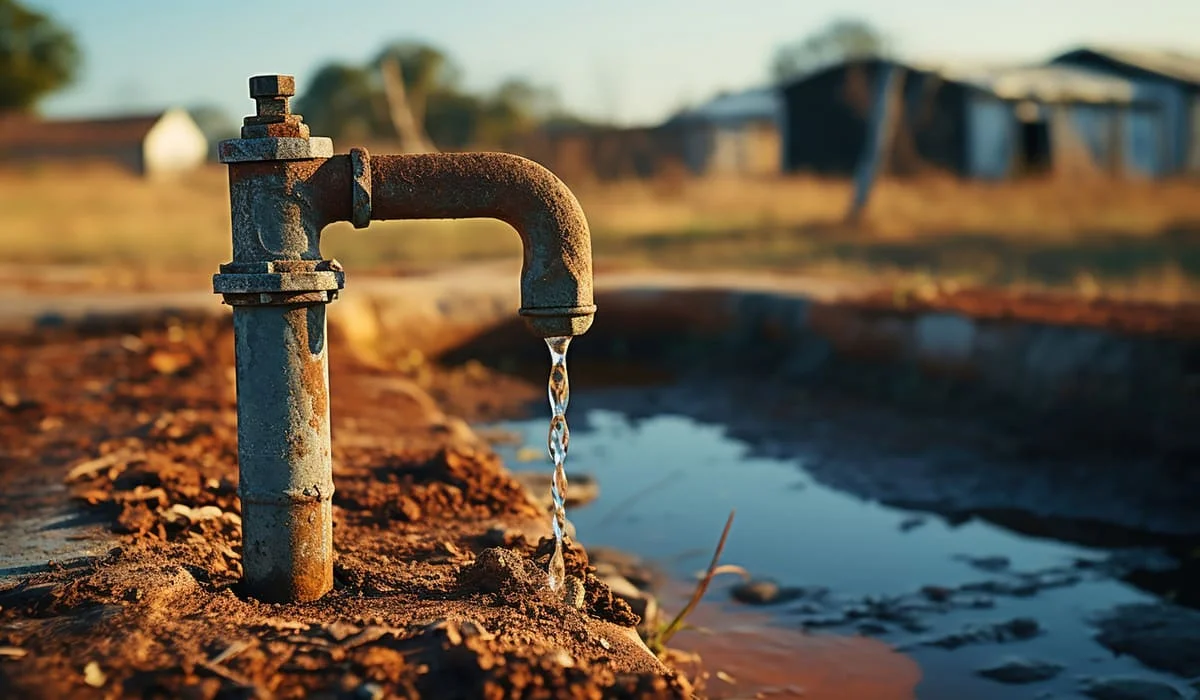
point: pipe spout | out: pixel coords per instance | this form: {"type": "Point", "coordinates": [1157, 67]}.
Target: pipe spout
{"type": "Point", "coordinates": [556, 276]}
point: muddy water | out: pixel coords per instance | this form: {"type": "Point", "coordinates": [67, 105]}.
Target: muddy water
{"type": "Point", "coordinates": [668, 481]}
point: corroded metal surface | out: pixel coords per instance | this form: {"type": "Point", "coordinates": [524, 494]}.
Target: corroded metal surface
{"type": "Point", "coordinates": [360, 172]}
{"type": "Point", "coordinates": [556, 280]}
{"type": "Point", "coordinates": [286, 483]}
{"type": "Point", "coordinates": [284, 188]}
{"type": "Point", "coordinates": [274, 148]}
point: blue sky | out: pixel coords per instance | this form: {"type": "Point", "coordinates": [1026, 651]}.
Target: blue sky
{"type": "Point", "coordinates": [629, 60]}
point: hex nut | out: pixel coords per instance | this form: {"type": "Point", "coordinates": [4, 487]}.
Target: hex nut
{"type": "Point", "coordinates": [272, 86]}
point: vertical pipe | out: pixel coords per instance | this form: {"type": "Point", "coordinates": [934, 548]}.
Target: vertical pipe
{"type": "Point", "coordinates": [286, 474]}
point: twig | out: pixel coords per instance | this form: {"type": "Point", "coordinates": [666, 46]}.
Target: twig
{"type": "Point", "coordinates": [701, 588]}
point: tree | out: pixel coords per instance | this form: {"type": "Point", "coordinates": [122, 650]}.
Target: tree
{"type": "Point", "coordinates": [840, 40]}
{"type": "Point", "coordinates": [515, 108]}
{"type": "Point", "coordinates": [37, 56]}
{"type": "Point", "coordinates": [426, 71]}
{"type": "Point", "coordinates": [411, 91]}
{"type": "Point", "coordinates": [343, 101]}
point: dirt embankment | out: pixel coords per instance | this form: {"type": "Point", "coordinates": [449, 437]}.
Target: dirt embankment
{"type": "Point", "coordinates": [439, 577]}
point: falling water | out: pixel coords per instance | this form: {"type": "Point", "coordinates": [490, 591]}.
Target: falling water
{"type": "Point", "coordinates": [559, 392]}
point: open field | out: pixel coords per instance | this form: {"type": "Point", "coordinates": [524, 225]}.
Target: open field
{"type": "Point", "coordinates": [1125, 240]}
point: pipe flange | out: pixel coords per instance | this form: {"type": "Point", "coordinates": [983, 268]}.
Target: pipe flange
{"type": "Point", "coordinates": [279, 298]}
{"type": "Point", "coordinates": [279, 281]}
{"type": "Point", "coordinates": [280, 148]}
{"type": "Point", "coordinates": [360, 166]}
{"type": "Point", "coordinates": [233, 283]}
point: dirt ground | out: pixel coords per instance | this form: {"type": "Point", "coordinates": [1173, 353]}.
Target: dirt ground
{"type": "Point", "coordinates": [439, 577]}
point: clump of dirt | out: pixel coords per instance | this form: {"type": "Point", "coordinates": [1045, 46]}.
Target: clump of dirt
{"type": "Point", "coordinates": [437, 594]}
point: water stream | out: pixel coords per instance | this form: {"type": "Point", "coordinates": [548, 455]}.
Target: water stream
{"type": "Point", "coordinates": [559, 392]}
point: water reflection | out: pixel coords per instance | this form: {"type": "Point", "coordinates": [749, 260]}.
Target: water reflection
{"type": "Point", "coordinates": [668, 482]}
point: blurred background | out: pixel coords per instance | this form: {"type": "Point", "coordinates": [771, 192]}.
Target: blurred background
{"type": "Point", "coordinates": [858, 167]}
{"type": "Point", "coordinates": [1017, 145]}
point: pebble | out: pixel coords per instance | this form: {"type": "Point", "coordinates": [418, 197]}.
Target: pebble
{"type": "Point", "coordinates": [1130, 689]}
{"type": "Point", "coordinates": [643, 604]}
{"type": "Point", "coordinates": [369, 691]}
{"type": "Point", "coordinates": [763, 592]}
{"type": "Point", "coordinates": [1160, 635]}
{"type": "Point", "coordinates": [1020, 670]}
{"type": "Point", "coordinates": [1016, 629]}
{"type": "Point", "coordinates": [93, 676]}
{"type": "Point", "coordinates": [990, 564]}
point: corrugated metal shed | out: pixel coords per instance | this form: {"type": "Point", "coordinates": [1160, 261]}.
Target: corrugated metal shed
{"type": "Point", "coordinates": [984, 121]}
{"type": "Point", "coordinates": [1050, 84]}
{"type": "Point", "coordinates": [1171, 77]}
{"type": "Point", "coordinates": [1176, 65]}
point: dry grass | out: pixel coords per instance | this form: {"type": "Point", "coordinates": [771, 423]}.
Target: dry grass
{"type": "Point", "coordinates": [1136, 239]}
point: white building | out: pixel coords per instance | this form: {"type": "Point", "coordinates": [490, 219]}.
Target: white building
{"type": "Point", "coordinates": [152, 145]}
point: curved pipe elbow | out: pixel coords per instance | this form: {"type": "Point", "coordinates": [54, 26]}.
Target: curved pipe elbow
{"type": "Point", "coordinates": [556, 277]}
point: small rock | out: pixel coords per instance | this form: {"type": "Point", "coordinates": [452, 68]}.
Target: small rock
{"type": "Point", "coordinates": [1017, 629]}
{"type": "Point", "coordinates": [938, 594]}
{"type": "Point", "coordinates": [763, 592]}
{"type": "Point", "coordinates": [180, 513]}
{"type": "Point", "coordinates": [1130, 689]}
{"type": "Point", "coordinates": [169, 362]}
{"type": "Point", "coordinates": [818, 622]}
{"type": "Point", "coordinates": [562, 658]}
{"type": "Point", "coordinates": [495, 568]}
{"type": "Point", "coordinates": [93, 676]}
{"type": "Point", "coordinates": [370, 691]}
{"type": "Point", "coordinates": [990, 564]}
{"type": "Point", "coordinates": [631, 567]}
{"type": "Point", "coordinates": [643, 604]}
{"type": "Point", "coordinates": [909, 524]}
{"type": "Point", "coordinates": [1018, 670]}
{"type": "Point", "coordinates": [573, 592]}
{"type": "Point", "coordinates": [1162, 636]}
{"type": "Point", "coordinates": [1125, 561]}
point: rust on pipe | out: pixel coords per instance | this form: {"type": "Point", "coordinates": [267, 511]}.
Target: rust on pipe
{"type": "Point", "coordinates": [285, 187]}
{"type": "Point", "coordinates": [556, 277]}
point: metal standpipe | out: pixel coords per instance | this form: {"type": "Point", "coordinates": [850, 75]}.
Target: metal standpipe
{"type": "Point", "coordinates": [279, 292]}
{"type": "Point", "coordinates": [285, 186]}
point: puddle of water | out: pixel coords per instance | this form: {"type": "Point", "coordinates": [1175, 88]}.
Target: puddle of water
{"type": "Point", "coordinates": [668, 483]}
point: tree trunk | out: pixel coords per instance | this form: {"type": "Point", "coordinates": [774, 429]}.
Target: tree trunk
{"type": "Point", "coordinates": [881, 129]}
{"type": "Point", "coordinates": [408, 125]}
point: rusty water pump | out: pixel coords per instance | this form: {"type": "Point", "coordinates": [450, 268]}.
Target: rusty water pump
{"type": "Point", "coordinates": [285, 186]}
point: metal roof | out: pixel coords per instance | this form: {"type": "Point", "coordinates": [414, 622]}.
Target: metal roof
{"type": "Point", "coordinates": [1166, 62]}
{"type": "Point", "coordinates": [26, 131]}
{"type": "Point", "coordinates": [757, 104]}
{"type": "Point", "coordinates": [1044, 83]}
{"type": "Point", "coordinates": [1053, 83]}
